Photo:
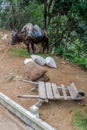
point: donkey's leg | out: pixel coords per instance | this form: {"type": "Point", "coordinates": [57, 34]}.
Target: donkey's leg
{"type": "Point", "coordinates": [32, 46]}
{"type": "Point", "coordinates": [43, 46]}
{"type": "Point", "coordinates": [47, 45]}
{"type": "Point", "coordinates": [27, 44]}
{"type": "Point", "coordinates": [28, 48]}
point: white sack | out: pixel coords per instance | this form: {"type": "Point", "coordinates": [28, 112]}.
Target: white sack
{"type": "Point", "coordinates": [50, 62]}
{"type": "Point", "coordinates": [38, 59]}
{"type": "Point", "coordinates": [27, 60]}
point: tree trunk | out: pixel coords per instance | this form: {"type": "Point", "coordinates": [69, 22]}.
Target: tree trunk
{"type": "Point", "coordinates": [13, 16]}
{"type": "Point", "coordinates": [45, 14]}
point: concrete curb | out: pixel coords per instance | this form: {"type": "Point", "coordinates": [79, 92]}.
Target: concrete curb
{"type": "Point", "coordinates": [30, 119]}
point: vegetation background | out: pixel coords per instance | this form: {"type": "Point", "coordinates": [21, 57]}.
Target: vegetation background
{"type": "Point", "coordinates": [64, 20]}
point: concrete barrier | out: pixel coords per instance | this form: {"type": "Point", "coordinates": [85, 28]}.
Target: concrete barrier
{"type": "Point", "coordinates": [24, 114]}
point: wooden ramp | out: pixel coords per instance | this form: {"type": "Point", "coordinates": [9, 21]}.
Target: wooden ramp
{"type": "Point", "coordinates": [50, 91]}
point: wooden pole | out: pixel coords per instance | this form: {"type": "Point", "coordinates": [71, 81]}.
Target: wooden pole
{"type": "Point", "coordinates": [28, 96]}
{"type": "Point", "coordinates": [27, 81]}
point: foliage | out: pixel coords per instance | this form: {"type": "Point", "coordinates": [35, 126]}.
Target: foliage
{"type": "Point", "coordinates": [81, 61]}
{"type": "Point", "coordinates": [68, 32]}
{"type": "Point", "coordinates": [74, 52]}
{"type": "Point", "coordinates": [58, 29]}
{"type": "Point", "coordinates": [80, 120]}
{"type": "Point", "coordinates": [17, 14]}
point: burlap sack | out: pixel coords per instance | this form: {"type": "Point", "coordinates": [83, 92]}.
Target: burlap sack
{"type": "Point", "coordinates": [34, 71]}
{"type": "Point", "coordinates": [43, 78]}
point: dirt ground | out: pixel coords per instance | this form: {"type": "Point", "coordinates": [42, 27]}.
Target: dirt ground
{"type": "Point", "coordinates": [59, 114]}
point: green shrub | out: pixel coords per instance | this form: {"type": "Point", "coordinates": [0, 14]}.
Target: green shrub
{"type": "Point", "coordinates": [80, 120]}
{"type": "Point", "coordinates": [81, 61]}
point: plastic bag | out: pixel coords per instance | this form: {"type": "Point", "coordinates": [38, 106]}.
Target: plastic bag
{"type": "Point", "coordinates": [50, 62]}
{"type": "Point", "coordinates": [38, 59]}
{"type": "Point", "coordinates": [27, 60]}
{"type": "Point", "coordinates": [37, 31]}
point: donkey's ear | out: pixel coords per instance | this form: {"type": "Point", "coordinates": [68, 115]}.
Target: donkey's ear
{"type": "Point", "coordinates": [15, 30]}
{"type": "Point", "coordinates": [14, 33]}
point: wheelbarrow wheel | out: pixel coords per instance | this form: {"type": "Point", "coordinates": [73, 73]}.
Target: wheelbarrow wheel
{"type": "Point", "coordinates": [81, 93]}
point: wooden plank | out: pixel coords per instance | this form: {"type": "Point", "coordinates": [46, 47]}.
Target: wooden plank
{"type": "Point", "coordinates": [73, 90]}
{"type": "Point", "coordinates": [55, 91]}
{"type": "Point", "coordinates": [27, 81]}
{"type": "Point", "coordinates": [42, 90]}
{"type": "Point", "coordinates": [49, 90]}
{"type": "Point", "coordinates": [64, 91]}
{"type": "Point", "coordinates": [28, 96]}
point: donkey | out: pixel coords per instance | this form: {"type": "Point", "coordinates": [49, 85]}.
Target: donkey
{"type": "Point", "coordinates": [27, 36]}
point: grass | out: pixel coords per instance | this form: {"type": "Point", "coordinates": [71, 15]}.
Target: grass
{"type": "Point", "coordinates": [80, 120]}
{"type": "Point", "coordinates": [19, 52]}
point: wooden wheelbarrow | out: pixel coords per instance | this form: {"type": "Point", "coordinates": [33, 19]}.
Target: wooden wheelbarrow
{"type": "Point", "coordinates": [50, 91]}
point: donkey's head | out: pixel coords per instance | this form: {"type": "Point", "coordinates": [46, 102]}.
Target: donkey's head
{"type": "Point", "coordinates": [17, 37]}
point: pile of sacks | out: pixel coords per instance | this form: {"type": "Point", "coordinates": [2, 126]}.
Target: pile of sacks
{"type": "Point", "coordinates": [34, 69]}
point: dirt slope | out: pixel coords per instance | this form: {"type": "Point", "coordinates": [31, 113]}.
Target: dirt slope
{"type": "Point", "coordinates": [56, 113]}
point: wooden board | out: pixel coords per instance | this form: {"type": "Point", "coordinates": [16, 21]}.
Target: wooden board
{"type": "Point", "coordinates": [49, 90]}
{"type": "Point", "coordinates": [73, 91]}
{"type": "Point", "coordinates": [28, 96]}
{"type": "Point", "coordinates": [42, 90]}
{"type": "Point", "coordinates": [64, 91]}
{"type": "Point", "coordinates": [55, 91]}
